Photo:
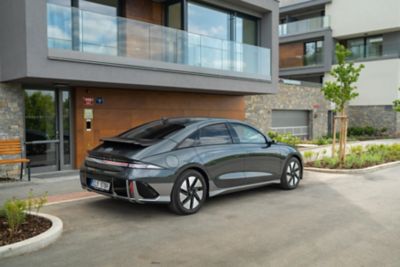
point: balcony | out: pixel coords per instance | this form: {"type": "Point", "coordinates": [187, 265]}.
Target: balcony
{"type": "Point", "coordinates": [301, 61]}
{"type": "Point", "coordinates": [304, 26]}
{"type": "Point", "coordinates": [144, 44]}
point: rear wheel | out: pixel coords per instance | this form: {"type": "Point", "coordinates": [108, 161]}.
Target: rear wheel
{"type": "Point", "coordinates": [189, 193]}
{"type": "Point", "coordinates": [292, 174]}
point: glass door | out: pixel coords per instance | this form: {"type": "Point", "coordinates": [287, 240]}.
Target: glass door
{"type": "Point", "coordinates": [47, 129]}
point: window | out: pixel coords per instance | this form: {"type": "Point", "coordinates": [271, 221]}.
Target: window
{"type": "Point", "coordinates": [215, 135]}
{"type": "Point", "coordinates": [365, 47]}
{"type": "Point", "coordinates": [174, 15]}
{"type": "Point", "coordinates": [374, 46]}
{"type": "Point", "coordinates": [190, 141]}
{"type": "Point", "coordinates": [313, 53]}
{"type": "Point", "coordinates": [221, 24]}
{"type": "Point", "coordinates": [246, 30]}
{"type": "Point", "coordinates": [153, 131]}
{"type": "Point", "coordinates": [247, 135]}
{"type": "Point", "coordinates": [356, 47]}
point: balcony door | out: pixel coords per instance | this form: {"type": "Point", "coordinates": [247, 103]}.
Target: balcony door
{"type": "Point", "coordinates": [48, 129]}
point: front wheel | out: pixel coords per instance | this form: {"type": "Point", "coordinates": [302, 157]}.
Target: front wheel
{"type": "Point", "coordinates": [189, 193]}
{"type": "Point", "coordinates": [292, 174]}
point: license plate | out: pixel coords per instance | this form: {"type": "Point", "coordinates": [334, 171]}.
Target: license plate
{"type": "Point", "coordinates": [101, 185]}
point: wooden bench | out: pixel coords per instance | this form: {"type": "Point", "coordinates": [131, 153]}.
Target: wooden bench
{"type": "Point", "coordinates": [13, 147]}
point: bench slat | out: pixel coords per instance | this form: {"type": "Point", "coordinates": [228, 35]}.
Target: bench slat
{"type": "Point", "coordinates": [9, 141]}
{"type": "Point", "coordinates": [10, 161]}
{"type": "Point", "coordinates": [10, 149]}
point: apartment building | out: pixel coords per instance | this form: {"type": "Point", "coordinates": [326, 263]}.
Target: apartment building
{"type": "Point", "coordinates": [309, 30]}
{"type": "Point", "coordinates": [75, 71]}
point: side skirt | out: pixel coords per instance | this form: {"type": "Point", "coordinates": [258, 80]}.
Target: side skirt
{"type": "Point", "coordinates": [215, 191]}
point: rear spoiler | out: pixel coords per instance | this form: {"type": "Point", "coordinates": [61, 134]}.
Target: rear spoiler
{"type": "Point", "coordinates": [126, 141]}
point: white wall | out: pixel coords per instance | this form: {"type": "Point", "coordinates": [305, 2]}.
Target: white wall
{"type": "Point", "coordinates": [378, 83]}
{"type": "Point", "coordinates": [352, 17]}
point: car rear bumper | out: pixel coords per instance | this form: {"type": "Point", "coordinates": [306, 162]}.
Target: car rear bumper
{"type": "Point", "coordinates": [143, 192]}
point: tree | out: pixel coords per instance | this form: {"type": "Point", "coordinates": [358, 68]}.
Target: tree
{"type": "Point", "coordinates": [396, 104]}
{"type": "Point", "coordinates": [340, 91]}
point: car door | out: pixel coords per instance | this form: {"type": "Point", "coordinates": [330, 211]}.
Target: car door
{"type": "Point", "coordinates": [223, 160]}
{"type": "Point", "coordinates": [263, 160]}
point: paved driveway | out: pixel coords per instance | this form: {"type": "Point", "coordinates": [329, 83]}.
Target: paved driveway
{"type": "Point", "coordinates": [330, 220]}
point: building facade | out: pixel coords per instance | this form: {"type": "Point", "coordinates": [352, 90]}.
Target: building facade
{"type": "Point", "coordinates": [75, 71]}
{"type": "Point", "coordinates": [309, 30]}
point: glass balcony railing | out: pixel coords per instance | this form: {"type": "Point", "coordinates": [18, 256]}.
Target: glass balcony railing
{"type": "Point", "coordinates": [299, 61]}
{"type": "Point", "coordinates": [304, 26]}
{"type": "Point", "coordinates": [292, 2]}
{"type": "Point", "coordinates": [79, 30]}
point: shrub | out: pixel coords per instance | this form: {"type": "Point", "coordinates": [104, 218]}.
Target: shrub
{"type": "Point", "coordinates": [14, 210]}
{"type": "Point", "coordinates": [356, 150]}
{"type": "Point", "coordinates": [366, 131]}
{"type": "Point", "coordinates": [308, 155]}
{"type": "Point", "coordinates": [287, 138]}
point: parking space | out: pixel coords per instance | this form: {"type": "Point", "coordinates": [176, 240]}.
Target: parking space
{"type": "Point", "coordinates": [330, 220]}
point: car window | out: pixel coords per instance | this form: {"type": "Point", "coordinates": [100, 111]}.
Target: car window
{"type": "Point", "coordinates": [247, 134]}
{"type": "Point", "coordinates": [215, 134]}
{"type": "Point", "coordinates": [153, 131]}
{"type": "Point", "coordinates": [190, 141]}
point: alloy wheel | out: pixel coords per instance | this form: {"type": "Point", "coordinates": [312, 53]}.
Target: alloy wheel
{"type": "Point", "coordinates": [191, 192]}
{"type": "Point", "coordinates": [293, 173]}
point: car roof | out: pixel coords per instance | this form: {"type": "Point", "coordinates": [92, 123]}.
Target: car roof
{"type": "Point", "coordinates": [198, 121]}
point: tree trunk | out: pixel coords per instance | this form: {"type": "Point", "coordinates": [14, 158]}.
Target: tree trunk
{"type": "Point", "coordinates": [334, 137]}
{"type": "Point", "coordinates": [343, 138]}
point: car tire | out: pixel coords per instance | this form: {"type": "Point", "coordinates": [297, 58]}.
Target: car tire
{"type": "Point", "coordinates": [189, 193]}
{"type": "Point", "coordinates": [292, 174]}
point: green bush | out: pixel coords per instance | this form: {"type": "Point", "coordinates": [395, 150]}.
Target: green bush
{"type": "Point", "coordinates": [308, 155]}
{"type": "Point", "coordinates": [287, 138]}
{"type": "Point", "coordinates": [14, 210]}
{"type": "Point", "coordinates": [366, 131]}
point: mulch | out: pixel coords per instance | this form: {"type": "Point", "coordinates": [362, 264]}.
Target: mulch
{"type": "Point", "coordinates": [32, 226]}
{"type": "Point", "coordinates": [8, 180]}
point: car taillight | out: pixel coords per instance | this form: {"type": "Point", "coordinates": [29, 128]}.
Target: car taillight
{"type": "Point", "coordinates": [131, 188]}
{"type": "Point", "coordinates": [141, 165]}
{"type": "Point", "coordinates": [134, 165]}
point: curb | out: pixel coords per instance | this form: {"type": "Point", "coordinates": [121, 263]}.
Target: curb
{"type": "Point", "coordinates": [354, 171]}
{"type": "Point", "coordinates": [37, 242]}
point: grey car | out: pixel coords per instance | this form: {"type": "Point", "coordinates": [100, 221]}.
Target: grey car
{"type": "Point", "coordinates": [184, 161]}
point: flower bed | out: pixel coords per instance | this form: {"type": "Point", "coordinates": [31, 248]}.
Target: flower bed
{"type": "Point", "coordinates": [360, 157]}
{"type": "Point", "coordinates": [33, 226]}
{"type": "Point", "coordinates": [17, 219]}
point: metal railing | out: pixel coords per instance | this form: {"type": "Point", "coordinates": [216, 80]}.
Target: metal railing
{"type": "Point", "coordinates": [301, 131]}
{"type": "Point", "coordinates": [304, 26]}
{"type": "Point", "coordinates": [79, 30]}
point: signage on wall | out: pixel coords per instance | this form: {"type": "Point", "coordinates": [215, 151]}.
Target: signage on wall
{"type": "Point", "coordinates": [88, 114]}
{"type": "Point", "coordinates": [88, 101]}
{"type": "Point", "coordinates": [99, 100]}
{"type": "Point", "coordinates": [316, 106]}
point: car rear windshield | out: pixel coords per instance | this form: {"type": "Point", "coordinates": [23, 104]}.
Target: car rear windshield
{"type": "Point", "coordinates": [153, 131]}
